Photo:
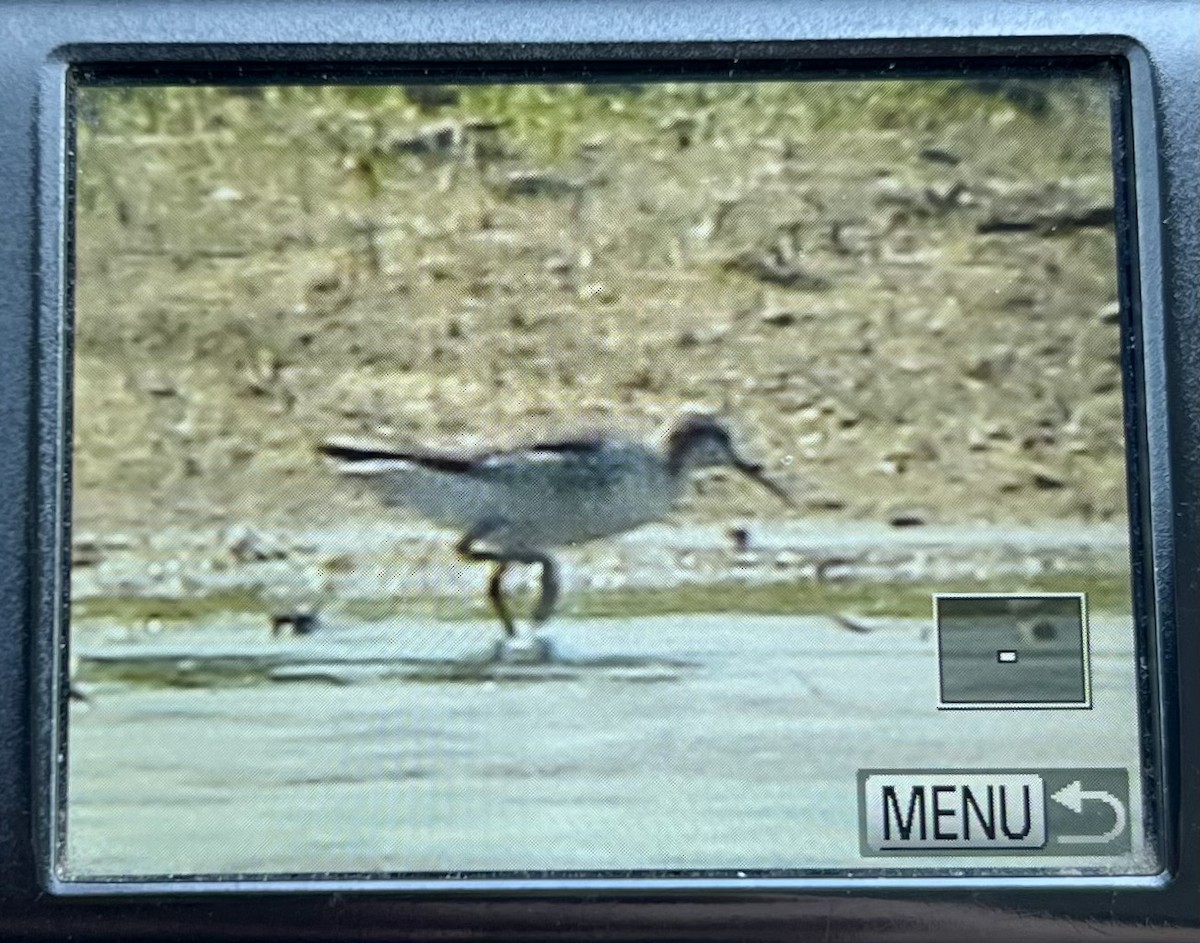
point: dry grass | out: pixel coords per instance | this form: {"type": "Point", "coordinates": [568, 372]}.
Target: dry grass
{"type": "Point", "coordinates": [258, 271]}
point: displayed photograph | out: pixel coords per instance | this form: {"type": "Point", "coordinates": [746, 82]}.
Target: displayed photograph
{"type": "Point", "coordinates": [525, 479]}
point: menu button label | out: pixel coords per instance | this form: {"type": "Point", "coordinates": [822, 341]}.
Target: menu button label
{"type": "Point", "coordinates": [953, 811]}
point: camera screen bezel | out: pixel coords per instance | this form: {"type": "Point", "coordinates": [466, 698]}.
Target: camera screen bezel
{"type": "Point", "coordinates": [168, 46]}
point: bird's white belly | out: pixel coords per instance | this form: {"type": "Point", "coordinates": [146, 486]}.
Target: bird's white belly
{"type": "Point", "coordinates": [546, 517]}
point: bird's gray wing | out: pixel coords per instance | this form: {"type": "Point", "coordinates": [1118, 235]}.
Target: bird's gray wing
{"type": "Point", "coordinates": [548, 461]}
{"type": "Point", "coordinates": [579, 481]}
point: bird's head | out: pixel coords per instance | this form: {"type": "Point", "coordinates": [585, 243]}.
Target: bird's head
{"type": "Point", "coordinates": [697, 440]}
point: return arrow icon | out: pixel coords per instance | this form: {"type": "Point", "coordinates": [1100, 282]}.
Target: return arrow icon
{"type": "Point", "coordinates": [1074, 796]}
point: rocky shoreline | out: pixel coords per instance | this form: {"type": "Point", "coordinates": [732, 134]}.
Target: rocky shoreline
{"type": "Point", "coordinates": [280, 570]}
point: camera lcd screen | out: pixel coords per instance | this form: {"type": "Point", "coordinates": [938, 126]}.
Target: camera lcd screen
{"type": "Point", "coordinates": [664, 478]}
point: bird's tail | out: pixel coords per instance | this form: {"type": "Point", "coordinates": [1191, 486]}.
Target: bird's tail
{"type": "Point", "coordinates": [351, 456]}
{"type": "Point", "coordinates": [439, 487]}
{"type": "Point", "coordinates": [344, 452]}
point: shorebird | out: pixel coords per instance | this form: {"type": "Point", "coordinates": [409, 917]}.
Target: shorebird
{"type": "Point", "coordinates": [512, 505]}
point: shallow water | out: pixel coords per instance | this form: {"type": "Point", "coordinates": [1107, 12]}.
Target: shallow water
{"type": "Point", "coordinates": [736, 747]}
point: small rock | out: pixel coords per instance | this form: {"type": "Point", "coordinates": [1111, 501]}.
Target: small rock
{"type": "Point", "coordinates": [116, 542]}
{"type": "Point", "coordinates": [889, 191]}
{"type": "Point", "coordinates": [898, 459]}
{"type": "Point", "coordinates": [779, 318]}
{"type": "Point", "coordinates": [1022, 301]}
{"type": "Point", "coordinates": [851, 238]}
{"type": "Point", "coordinates": [160, 387]}
{"type": "Point", "coordinates": [833, 568]}
{"type": "Point", "coordinates": [225, 195]}
{"type": "Point", "coordinates": [937, 155]}
{"type": "Point", "coordinates": [432, 96]}
{"type": "Point", "coordinates": [826, 502]}
{"type": "Point", "coordinates": [439, 268]}
{"type": "Point", "coordinates": [85, 553]}
{"type": "Point", "coordinates": [909, 518]}
{"type": "Point", "coordinates": [1047, 480]}
{"type": "Point", "coordinates": [247, 546]}
{"type": "Point", "coordinates": [923, 202]}
{"type": "Point", "coordinates": [597, 292]}
{"type": "Point", "coordinates": [981, 369]}
{"type": "Point", "coordinates": [543, 183]}
{"type": "Point", "coordinates": [484, 125]}
{"type": "Point", "coordinates": [787, 560]}
{"type": "Point", "coordinates": [324, 284]}
{"type": "Point", "coordinates": [900, 454]}
{"type": "Point", "coordinates": [773, 270]}
{"type": "Point", "coordinates": [302, 621]}
{"type": "Point", "coordinates": [338, 563]}
{"type": "Point", "coordinates": [944, 197]}
{"type": "Point", "coordinates": [444, 139]}
{"type": "Point", "coordinates": [1110, 313]}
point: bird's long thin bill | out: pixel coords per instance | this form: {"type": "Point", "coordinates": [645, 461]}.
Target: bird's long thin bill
{"type": "Point", "coordinates": [755, 473]}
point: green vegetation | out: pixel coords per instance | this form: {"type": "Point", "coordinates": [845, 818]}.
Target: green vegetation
{"type": "Point", "coordinates": [138, 610]}
{"type": "Point", "coordinates": [172, 673]}
{"type": "Point", "coordinates": [556, 118]}
{"type": "Point", "coordinates": [1106, 592]}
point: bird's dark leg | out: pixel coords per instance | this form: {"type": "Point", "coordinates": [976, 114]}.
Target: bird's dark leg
{"type": "Point", "coordinates": [496, 595]}
{"type": "Point", "coordinates": [466, 549]}
{"type": "Point", "coordinates": [550, 583]}
{"type": "Point", "coordinates": [550, 590]}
